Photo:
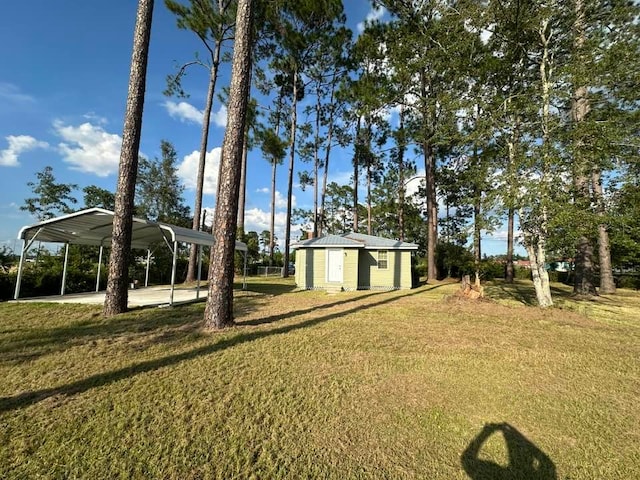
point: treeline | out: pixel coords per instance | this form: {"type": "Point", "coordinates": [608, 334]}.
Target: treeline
{"type": "Point", "coordinates": [454, 117]}
{"type": "Point", "coordinates": [516, 113]}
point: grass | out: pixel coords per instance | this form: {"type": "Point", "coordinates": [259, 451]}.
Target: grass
{"type": "Point", "coordinates": [308, 385]}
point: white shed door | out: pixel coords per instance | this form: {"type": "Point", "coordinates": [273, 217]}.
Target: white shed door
{"type": "Point", "coordinates": [334, 265]}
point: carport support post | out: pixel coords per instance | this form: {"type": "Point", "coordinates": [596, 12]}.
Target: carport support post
{"type": "Point", "coordinates": [199, 271]}
{"type": "Point", "coordinates": [20, 266]}
{"type": "Point", "coordinates": [25, 246]}
{"type": "Point", "coordinates": [64, 268]}
{"type": "Point", "coordinates": [99, 268]}
{"type": "Point", "coordinates": [173, 271]}
{"type": "Point", "coordinates": [146, 275]}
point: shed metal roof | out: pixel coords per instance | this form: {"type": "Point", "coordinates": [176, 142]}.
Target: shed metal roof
{"type": "Point", "coordinates": [374, 242]}
{"type": "Point", "coordinates": [355, 240]}
{"type": "Point", "coordinates": [93, 226]}
{"type": "Point", "coordinates": [328, 241]}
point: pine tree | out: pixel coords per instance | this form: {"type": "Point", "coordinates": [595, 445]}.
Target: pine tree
{"type": "Point", "coordinates": [219, 308]}
{"type": "Point", "coordinates": [213, 23]}
{"type": "Point", "coordinates": [51, 198]}
{"type": "Point", "coordinates": [117, 294]}
{"type": "Point", "coordinates": [159, 191]}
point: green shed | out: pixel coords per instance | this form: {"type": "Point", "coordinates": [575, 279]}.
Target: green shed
{"type": "Point", "coordinates": [353, 261]}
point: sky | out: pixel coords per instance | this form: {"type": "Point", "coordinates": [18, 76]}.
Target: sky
{"type": "Point", "coordinates": [63, 87]}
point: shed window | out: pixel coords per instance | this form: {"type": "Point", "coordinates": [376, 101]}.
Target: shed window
{"type": "Point", "coordinates": [383, 262]}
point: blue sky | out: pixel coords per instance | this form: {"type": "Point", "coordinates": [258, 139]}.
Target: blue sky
{"type": "Point", "coordinates": [63, 90]}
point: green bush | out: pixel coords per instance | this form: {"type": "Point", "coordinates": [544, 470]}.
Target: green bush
{"type": "Point", "coordinates": [561, 277]}
{"type": "Point", "coordinates": [490, 269]}
{"type": "Point", "coordinates": [7, 286]}
{"type": "Point", "coordinates": [628, 281]}
{"type": "Point", "coordinates": [453, 260]}
{"type": "Point", "coordinates": [522, 273]}
{"type": "Point", "coordinates": [420, 267]}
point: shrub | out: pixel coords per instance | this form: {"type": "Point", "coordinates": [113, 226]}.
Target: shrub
{"type": "Point", "coordinates": [555, 276]}
{"type": "Point", "coordinates": [453, 260]}
{"type": "Point", "coordinates": [490, 269]}
{"type": "Point", "coordinates": [522, 273]}
{"type": "Point", "coordinates": [628, 281]}
{"type": "Point", "coordinates": [7, 285]}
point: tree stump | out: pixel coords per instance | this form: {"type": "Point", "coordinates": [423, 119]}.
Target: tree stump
{"type": "Point", "coordinates": [469, 290]}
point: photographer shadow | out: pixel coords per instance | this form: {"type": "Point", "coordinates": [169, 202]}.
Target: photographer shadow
{"type": "Point", "coordinates": [526, 461]}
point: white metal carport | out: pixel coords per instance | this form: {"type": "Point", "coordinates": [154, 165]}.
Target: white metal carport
{"type": "Point", "coordinates": [93, 226]}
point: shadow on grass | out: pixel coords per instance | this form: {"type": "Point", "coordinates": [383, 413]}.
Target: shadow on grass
{"type": "Point", "coordinates": [282, 316]}
{"type": "Point", "coordinates": [520, 292]}
{"type": "Point", "coordinates": [275, 288]}
{"type": "Point", "coordinates": [29, 398]}
{"type": "Point", "coordinates": [170, 323]}
{"type": "Point", "coordinates": [526, 461]}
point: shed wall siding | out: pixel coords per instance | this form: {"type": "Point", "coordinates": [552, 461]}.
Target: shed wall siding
{"type": "Point", "coordinates": [301, 268]}
{"type": "Point", "coordinates": [350, 281]}
{"type": "Point", "coordinates": [397, 274]}
{"type": "Point", "coordinates": [360, 269]}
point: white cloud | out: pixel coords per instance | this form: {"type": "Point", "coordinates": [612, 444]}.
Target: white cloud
{"type": "Point", "coordinates": [281, 200]}
{"type": "Point", "coordinates": [501, 235]}
{"type": "Point", "coordinates": [219, 118]}
{"type": "Point", "coordinates": [376, 13]}
{"type": "Point", "coordinates": [185, 112]}
{"type": "Point", "coordinates": [341, 178]}
{"type": "Point", "coordinates": [258, 220]}
{"type": "Point", "coordinates": [18, 144]}
{"type": "Point", "coordinates": [188, 170]}
{"type": "Point", "coordinates": [89, 148]}
{"type": "Point", "coordinates": [91, 116]}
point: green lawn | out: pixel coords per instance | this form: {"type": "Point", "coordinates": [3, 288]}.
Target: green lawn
{"type": "Point", "coordinates": [413, 384]}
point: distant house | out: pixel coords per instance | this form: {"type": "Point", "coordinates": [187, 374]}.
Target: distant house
{"type": "Point", "coordinates": [353, 261]}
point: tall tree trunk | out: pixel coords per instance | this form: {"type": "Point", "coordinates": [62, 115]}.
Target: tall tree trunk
{"type": "Point", "coordinates": [401, 172]}
{"type": "Point", "coordinates": [369, 225]}
{"type": "Point", "coordinates": [292, 154]}
{"type": "Point", "coordinates": [430, 182]}
{"type": "Point", "coordinates": [243, 181]}
{"type": "Point", "coordinates": [218, 312]}
{"type": "Point", "coordinates": [204, 139]}
{"type": "Point", "coordinates": [583, 281]}
{"type": "Point", "coordinates": [512, 144]}
{"type": "Point", "coordinates": [356, 169]}
{"type": "Point", "coordinates": [274, 164]}
{"type": "Point", "coordinates": [478, 183]}
{"type": "Point", "coordinates": [316, 165]}
{"type": "Point", "coordinates": [272, 221]}
{"type": "Point", "coordinates": [116, 296]}
{"type": "Point", "coordinates": [477, 231]}
{"type": "Point", "coordinates": [432, 210]}
{"type": "Point", "coordinates": [509, 269]}
{"type": "Point", "coordinates": [325, 175]}
{"type": "Point", "coordinates": [242, 200]}
{"type": "Point", "coordinates": [607, 283]}
{"type": "Point", "coordinates": [536, 249]}
{"type": "Point", "coordinates": [535, 230]}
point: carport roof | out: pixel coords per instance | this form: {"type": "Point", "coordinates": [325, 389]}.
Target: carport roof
{"type": "Point", "coordinates": [93, 226]}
